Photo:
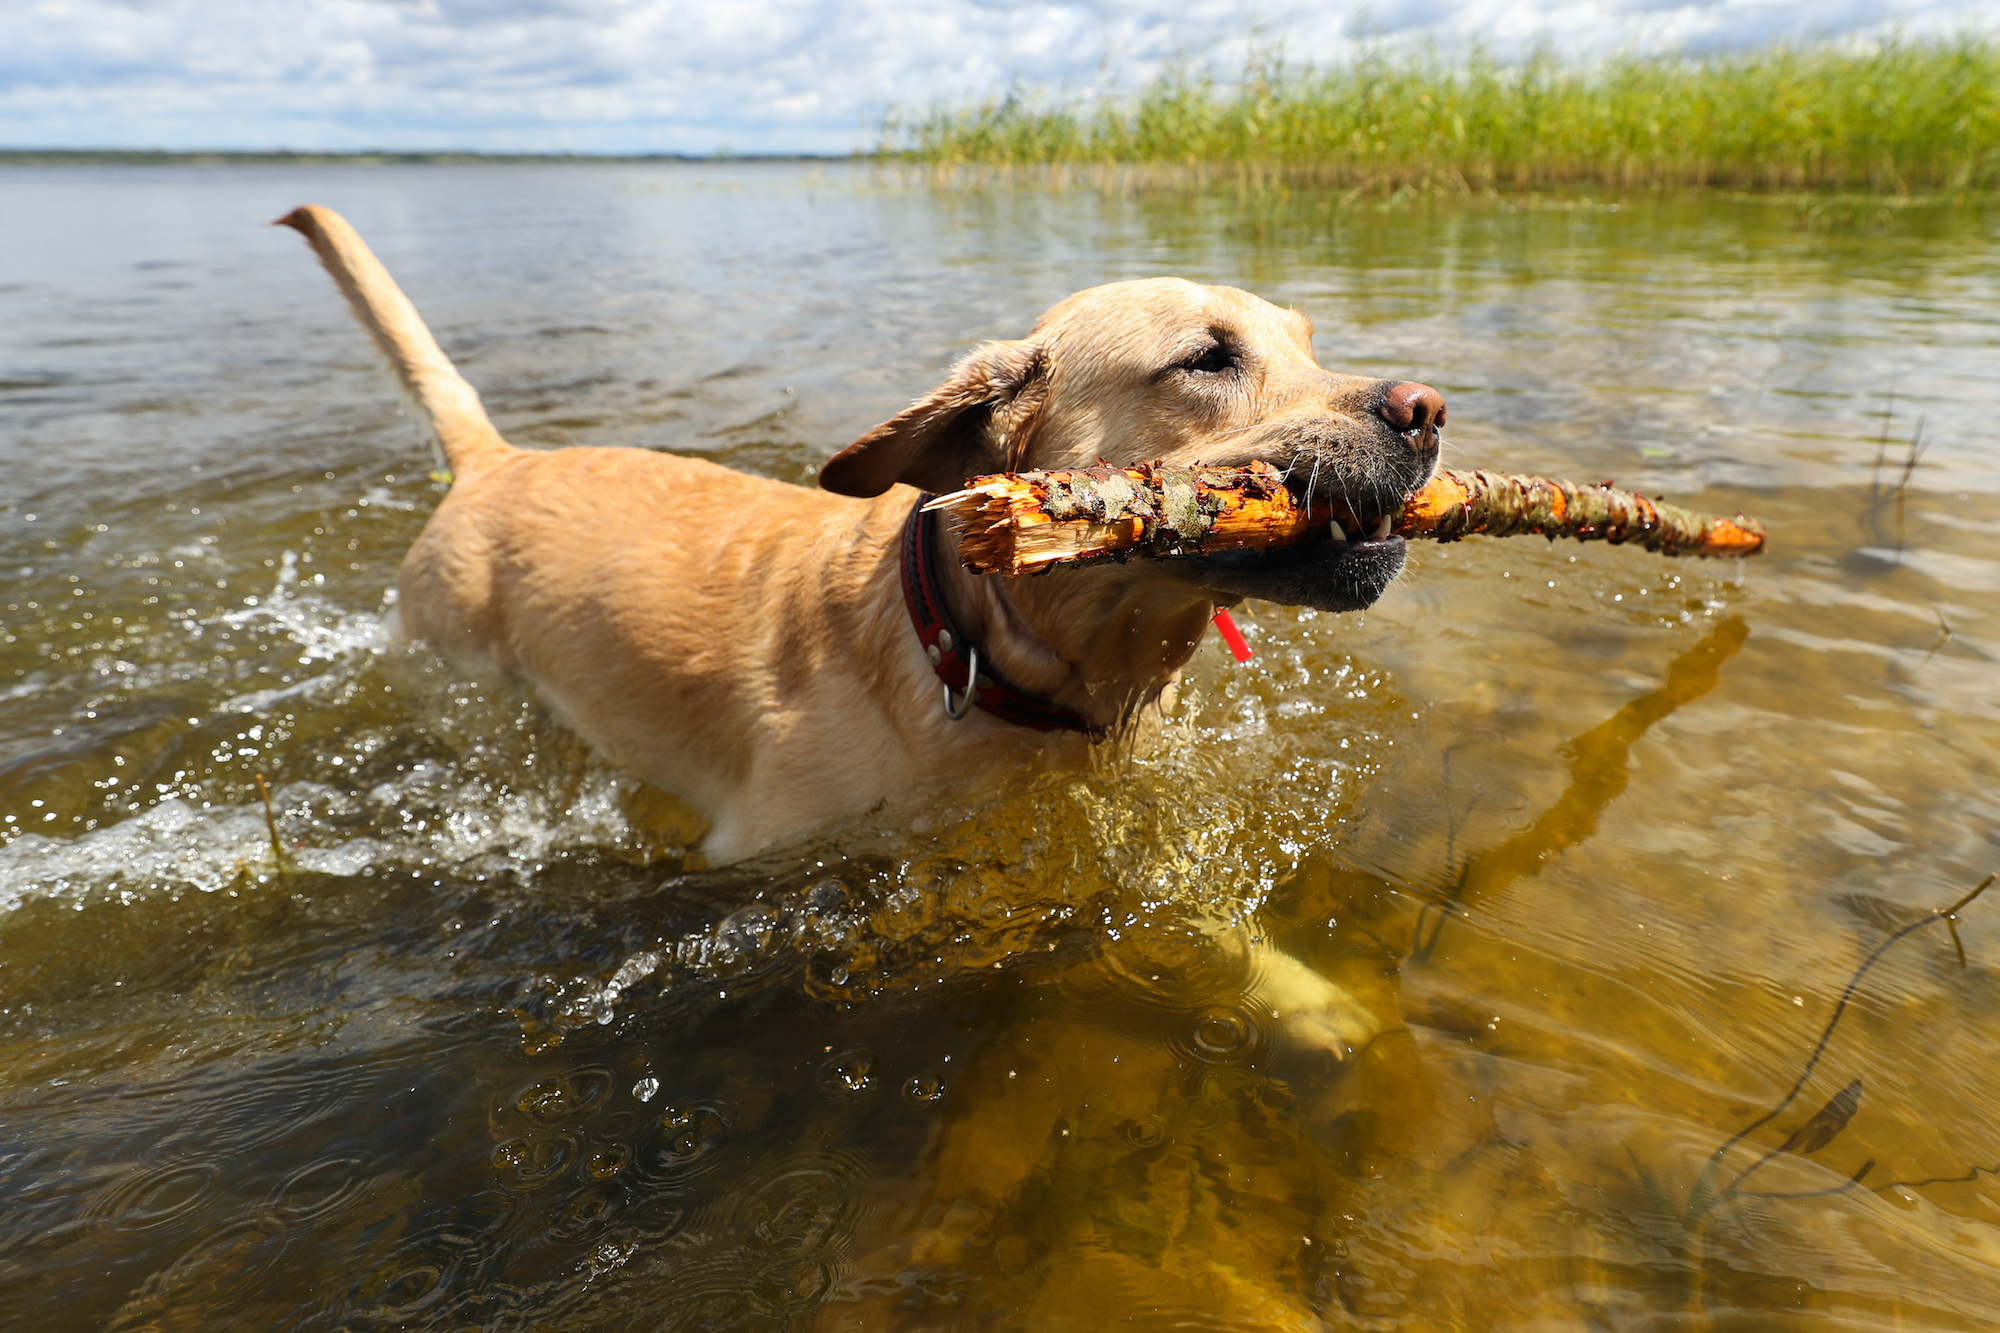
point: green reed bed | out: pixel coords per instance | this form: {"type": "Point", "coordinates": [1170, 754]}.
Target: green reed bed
{"type": "Point", "coordinates": [1906, 116]}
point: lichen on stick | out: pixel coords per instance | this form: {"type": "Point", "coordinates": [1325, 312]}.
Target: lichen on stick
{"type": "Point", "coordinates": [1028, 522]}
{"type": "Point", "coordinates": [1459, 504]}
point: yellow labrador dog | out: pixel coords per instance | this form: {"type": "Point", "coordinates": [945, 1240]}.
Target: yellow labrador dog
{"type": "Point", "coordinates": [765, 652]}
{"type": "Point", "coordinates": [785, 660]}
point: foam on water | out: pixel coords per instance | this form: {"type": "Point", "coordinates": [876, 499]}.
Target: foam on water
{"type": "Point", "coordinates": [463, 814]}
{"type": "Point", "coordinates": [324, 631]}
{"type": "Point", "coordinates": [176, 844]}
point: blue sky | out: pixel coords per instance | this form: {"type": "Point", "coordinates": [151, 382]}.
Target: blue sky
{"type": "Point", "coordinates": [747, 75]}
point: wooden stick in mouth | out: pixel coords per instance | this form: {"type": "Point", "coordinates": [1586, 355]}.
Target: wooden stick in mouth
{"type": "Point", "coordinates": [1029, 522]}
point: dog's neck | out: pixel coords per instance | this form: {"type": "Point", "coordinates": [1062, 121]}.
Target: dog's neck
{"type": "Point", "coordinates": [1102, 642]}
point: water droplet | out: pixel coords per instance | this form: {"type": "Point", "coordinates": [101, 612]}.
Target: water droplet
{"type": "Point", "coordinates": [922, 1088]}
{"type": "Point", "coordinates": [827, 895]}
{"type": "Point", "coordinates": [646, 1088]}
{"type": "Point", "coordinates": [526, 1164]}
{"type": "Point", "coordinates": [748, 932]}
{"type": "Point", "coordinates": [848, 1074]}
{"type": "Point", "coordinates": [565, 1097]}
{"type": "Point", "coordinates": [610, 1254]}
{"type": "Point", "coordinates": [1222, 1034]}
{"type": "Point", "coordinates": [800, 1211]}
{"type": "Point", "coordinates": [584, 1214]}
{"type": "Point", "coordinates": [608, 1162]}
{"type": "Point", "coordinates": [684, 1141]}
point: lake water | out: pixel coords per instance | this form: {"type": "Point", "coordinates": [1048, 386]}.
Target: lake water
{"type": "Point", "coordinates": [1598, 839]}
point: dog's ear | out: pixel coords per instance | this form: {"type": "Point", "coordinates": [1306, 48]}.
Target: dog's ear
{"type": "Point", "coordinates": [944, 437]}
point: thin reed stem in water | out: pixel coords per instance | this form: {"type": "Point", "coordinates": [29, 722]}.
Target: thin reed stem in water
{"type": "Point", "coordinates": [271, 823]}
{"type": "Point", "coordinates": [1700, 1199]}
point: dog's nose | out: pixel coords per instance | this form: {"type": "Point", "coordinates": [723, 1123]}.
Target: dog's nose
{"type": "Point", "coordinates": [1411, 406]}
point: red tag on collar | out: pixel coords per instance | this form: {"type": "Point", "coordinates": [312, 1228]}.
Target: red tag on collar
{"type": "Point", "coordinates": [1225, 625]}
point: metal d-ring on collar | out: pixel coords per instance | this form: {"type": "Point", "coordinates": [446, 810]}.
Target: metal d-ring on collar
{"type": "Point", "coordinates": [957, 713]}
{"type": "Point", "coordinates": [955, 661]}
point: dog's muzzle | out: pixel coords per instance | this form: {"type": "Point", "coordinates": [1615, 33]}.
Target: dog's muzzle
{"type": "Point", "coordinates": [1321, 572]}
{"type": "Point", "coordinates": [1359, 473]}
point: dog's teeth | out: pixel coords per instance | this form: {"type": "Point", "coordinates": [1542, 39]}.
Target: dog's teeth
{"type": "Point", "coordinates": [1379, 529]}
{"type": "Point", "coordinates": [1339, 533]}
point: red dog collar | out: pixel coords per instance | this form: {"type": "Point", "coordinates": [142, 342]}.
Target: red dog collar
{"type": "Point", "coordinates": [951, 656]}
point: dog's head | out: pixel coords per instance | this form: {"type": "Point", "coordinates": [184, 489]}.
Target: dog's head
{"type": "Point", "coordinates": [1163, 369]}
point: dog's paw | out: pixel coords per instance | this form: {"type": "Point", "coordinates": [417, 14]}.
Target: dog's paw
{"type": "Point", "coordinates": [1317, 1014]}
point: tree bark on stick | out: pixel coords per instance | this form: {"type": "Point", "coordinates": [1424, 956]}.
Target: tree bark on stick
{"type": "Point", "coordinates": [1028, 522]}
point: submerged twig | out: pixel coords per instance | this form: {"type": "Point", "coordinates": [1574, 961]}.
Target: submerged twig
{"type": "Point", "coordinates": [1879, 496]}
{"type": "Point", "coordinates": [271, 822]}
{"type": "Point", "coordinates": [1971, 1176]}
{"type": "Point", "coordinates": [1814, 1134]}
{"type": "Point", "coordinates": [1945, 635]}
{"type": "Point", "coordinates": [1815, 1131]}
{"type": "Point", "coordinates": [1881, 448]}
{"type": "Point", "coordinates": [1917, 446]}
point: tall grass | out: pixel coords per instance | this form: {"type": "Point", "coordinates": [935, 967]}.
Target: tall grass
{"type": "Point", "coordinates": [1907, 116]}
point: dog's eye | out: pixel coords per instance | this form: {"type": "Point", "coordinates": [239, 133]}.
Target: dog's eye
{"type": "Point", "coordinates": [1211, 360]}
{"type": "Point", "coordinates": [1216, 358]}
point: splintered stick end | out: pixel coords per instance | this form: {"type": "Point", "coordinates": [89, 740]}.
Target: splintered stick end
{"type": "Point", "coordinates": [987, 489]}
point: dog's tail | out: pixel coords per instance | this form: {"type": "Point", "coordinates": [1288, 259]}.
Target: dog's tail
{"type": "Point", "coordinates": [457, 422]}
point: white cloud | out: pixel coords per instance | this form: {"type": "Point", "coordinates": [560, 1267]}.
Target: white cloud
{"type": "Point", "coordinates": [754, 75]}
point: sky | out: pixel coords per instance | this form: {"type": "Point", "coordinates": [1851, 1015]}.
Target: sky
{"type": "Point", "coordinates": [744, 76]}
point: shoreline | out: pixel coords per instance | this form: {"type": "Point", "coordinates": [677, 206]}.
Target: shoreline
{"type": "Point", "coordinates": [162, 157]}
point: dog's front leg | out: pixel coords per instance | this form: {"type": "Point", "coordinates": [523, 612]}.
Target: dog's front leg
{"type": "Point", "coordinates": [1317, 1012]}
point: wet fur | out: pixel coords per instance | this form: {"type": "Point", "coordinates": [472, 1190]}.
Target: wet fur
{"type": "Point", "coordinates": [744, 644]}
